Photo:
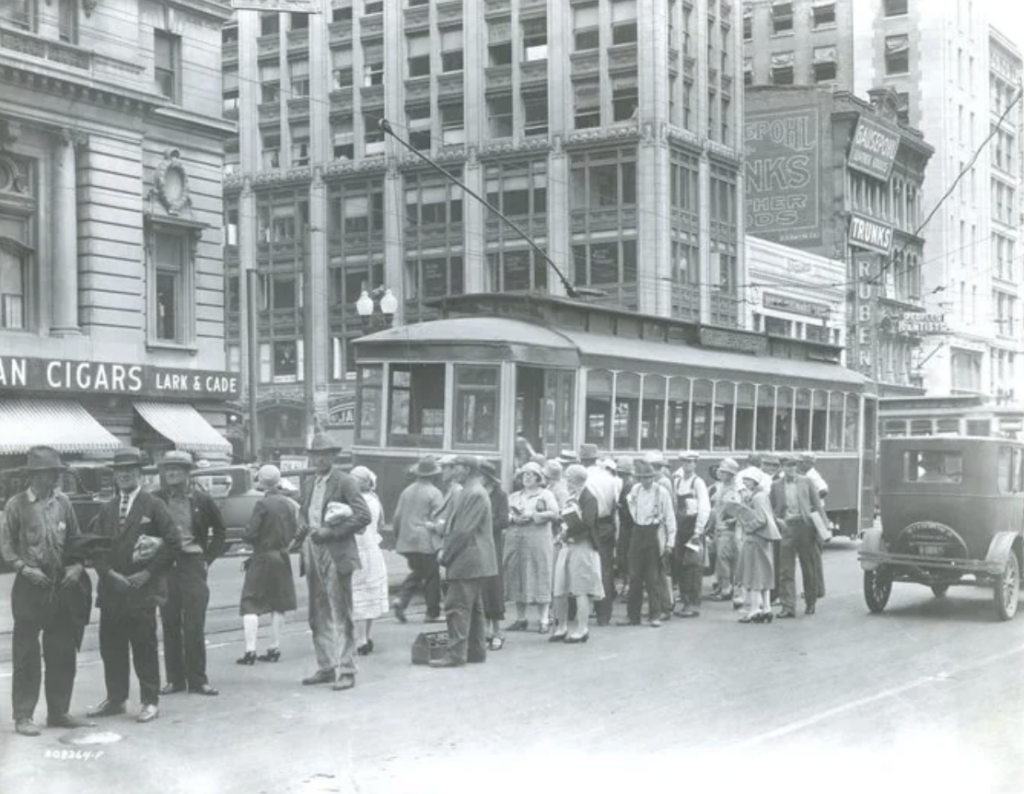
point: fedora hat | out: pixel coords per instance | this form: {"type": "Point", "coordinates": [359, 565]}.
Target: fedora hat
{"type": "Point", "coordinates": [127, 457]}
{"type": "Point", "coordinates": [446, 460]}
{"type": "Point", "coordinates": [655, 458]}
{"type": "Point", "coordinates": [689, 454]}
{"type": "Point", "coordinates": [567, 456]}
{"type": "Point", "coordinates": [488, 468]}
{"type": "Point", "coordinates": [808, 457]}
{"type": "Point", "coordinates": [426, 467]}
{"type": "Point", "coordinates": [44, 459]}
{"type": "Point", "coordinates": [588, 452]}
{"type": "Point", "coordinates": [643, 469]}
{"type": "Point", "coordinates": [323, 443]}
{"type": "Point", "coordinates": [177, 457]}
{"type": "Point", "coordinates": [471, 462]}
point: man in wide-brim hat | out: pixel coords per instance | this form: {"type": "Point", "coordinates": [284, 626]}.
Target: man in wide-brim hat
{"type": "Point", "coordinates": [329, 556]}
{"type": "Point", "coordinates": [203, 539]}
{"type": "Point", "coordinates": [693, 509]}
{"type": "Point", "coordinates": [418, 538]}
{"type": "Point", "coordinates": [39, 527]}
{"type": "Point", "coordinates": [130, 589]}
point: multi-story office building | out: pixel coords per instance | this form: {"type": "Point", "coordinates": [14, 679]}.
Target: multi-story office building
{"type": "Point", "coordinates": [841, 177]}
{"type": "Point", "coordinates": [955, 76]}
{"type": "Point", "coordinates": [606, 129]}
{"type": "Point", "coordinates": [111, 272]}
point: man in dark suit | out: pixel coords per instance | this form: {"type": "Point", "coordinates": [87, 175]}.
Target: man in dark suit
{"type": "Point", "coordinates": [35, 536]}
{"type": "Point", "coordinates": [794, 499]}
{"type": "Point", "coordinates": [329, 556]}
{"type": "Point", "coordinates": [469, 558]}
{"type": "Point", "coordinates": [201, 532]}
{"type": "Point", "coordinates": [132, 584]}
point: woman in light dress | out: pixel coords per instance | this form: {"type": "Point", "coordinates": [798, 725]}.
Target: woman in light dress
{"type": "Point", "coordinates": [369, 582]}
{"type": "Point", "coordinates": [756, 572]}
{"type": "Point", "coordinates": [529, 553]}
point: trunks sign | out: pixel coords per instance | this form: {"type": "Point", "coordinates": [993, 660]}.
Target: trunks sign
{"type": "Point", "coordinates": [870, 234]}
{"type": "Point", "coordinates": [101, 377]}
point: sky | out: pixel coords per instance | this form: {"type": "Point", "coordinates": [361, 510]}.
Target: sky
{"type": "Point", "coordinates": [1007, 16]}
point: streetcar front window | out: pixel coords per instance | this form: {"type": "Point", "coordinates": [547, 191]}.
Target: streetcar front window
{"type": "Point", "coordinates": [416, 398]}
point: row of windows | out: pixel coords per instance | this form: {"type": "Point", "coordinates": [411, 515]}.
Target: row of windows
{"type": "Point", "coordinates": [623, 411]}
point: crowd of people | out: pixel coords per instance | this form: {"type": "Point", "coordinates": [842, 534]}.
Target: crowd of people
{"type": "Point", "coordinates": [575, 535]}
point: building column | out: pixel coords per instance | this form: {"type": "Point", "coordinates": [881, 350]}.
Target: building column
{"type": "Point", "coordinates": [64, 307]}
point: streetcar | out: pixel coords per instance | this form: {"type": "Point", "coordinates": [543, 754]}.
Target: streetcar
{"type": "Point", "coordinates": [952, 514]}
{"type": "Point", "coordinates": [958, 415]}
{"type": "Point", "coordinates": [562, 372]}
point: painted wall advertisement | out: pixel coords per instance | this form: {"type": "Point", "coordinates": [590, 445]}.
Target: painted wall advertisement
{"type": "Point", "coordinates": [873, 149]}
{"type": "Point", "coordinates": [783, 155]}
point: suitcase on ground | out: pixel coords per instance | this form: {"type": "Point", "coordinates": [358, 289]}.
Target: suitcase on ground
{"type": "Point", "coordinates": [428, 646]}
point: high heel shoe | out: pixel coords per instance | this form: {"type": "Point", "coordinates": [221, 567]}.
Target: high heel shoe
{"type": "Point", "coordinates": [272, 655]}
{"type": "Point", "coordinates": [365, 649]}
{"type": "Point", "coordinates": [249, 658]}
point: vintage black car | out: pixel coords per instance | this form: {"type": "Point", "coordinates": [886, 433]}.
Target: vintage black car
{"type": "Point", "coordinates": [952, 514]}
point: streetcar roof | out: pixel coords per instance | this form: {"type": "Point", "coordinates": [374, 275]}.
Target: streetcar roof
{"type": "Point", "coordinates": [584, 347]}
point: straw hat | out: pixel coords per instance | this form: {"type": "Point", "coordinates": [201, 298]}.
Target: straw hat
{"type": "Point", "coordinates": [533, 468]}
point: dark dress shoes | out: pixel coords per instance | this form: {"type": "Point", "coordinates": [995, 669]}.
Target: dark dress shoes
{"type": "Point", "coordinates": [445, 661]}
{"type": "Point", "coordinates": [809, 609]}
{"type": "Point", "coordinates": [272, 655]}
{"type": "Point", "coordinates": [26, 727]}
{"type": "Point", "coordinates": [319, 677]}
{"type": "Point", "coordinates": [785, 614]}
{"type": "Point", "coordinates": [205, 689]}
{"type": "Point", "coordinates": [344, 682]}
{"type": "Point", "coordinates": [170, 689]}
{"type": "Point", "coordinates": [106, 709]}
{"type": "Point", "coordinates": [149, 713]}
{"type": "Point", "coordinates": [67, 721]}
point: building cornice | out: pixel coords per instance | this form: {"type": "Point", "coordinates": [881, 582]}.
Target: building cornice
{"type": "Point", "coordinates": [212, 9]}
{"type": "Point", "coordinates": [39, 77]}
{"type": "Point", "coordinates": [177, 116]}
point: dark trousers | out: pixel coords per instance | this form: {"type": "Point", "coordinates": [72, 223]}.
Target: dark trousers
{"type": "Point", "coordinates": [133, 630]}
{"type": "Point", "coordinates": [606, 550]}
{"type": "Point", "coordinates": [777, 567]}
{"type": "Point", "coordinates": [423, 572]}
{"type": "Point", "coordinates": [184, 622]}
{"type": "Point", "coordinates": [645, 572]}
{"type": "Point", "coordinates": [800, 545]}
{"type": "Point", "coordinates": [464, 608]}
{"type": "Point", "coordinates": [60, 637]}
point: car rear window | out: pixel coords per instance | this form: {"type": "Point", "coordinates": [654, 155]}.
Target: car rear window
{"type": "Point", "coordinates": [938, 466]}
{"type": "Point", "coordinates": [216, 485]}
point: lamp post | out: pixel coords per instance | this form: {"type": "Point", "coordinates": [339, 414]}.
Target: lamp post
{"type": "Point", "coordinates": [376, 309]}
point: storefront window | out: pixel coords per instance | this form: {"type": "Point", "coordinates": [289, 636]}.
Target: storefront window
{"type": "Point", "coordinates": [476, 406]}
{"type": "Point", "coordinates": [368, 403]}
{"type": "Point", "coordinates": [416, 400]}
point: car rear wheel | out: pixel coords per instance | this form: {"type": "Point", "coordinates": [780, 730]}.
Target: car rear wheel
{"type": "Point", "coordinates": [1007, 588]}
{"type": "Point", "coordinates": [940, 590]}
{"type": "Point", "coordinates": [877, 588]}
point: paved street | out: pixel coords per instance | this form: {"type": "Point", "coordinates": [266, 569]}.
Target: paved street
{"type": "Point", "coordinates": [926, 697]}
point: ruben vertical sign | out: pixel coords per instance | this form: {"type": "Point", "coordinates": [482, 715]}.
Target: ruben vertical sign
{"type": "Point", "coordinates": [873, 149]}
{"type": "Point", "coordinates": [783, 156]}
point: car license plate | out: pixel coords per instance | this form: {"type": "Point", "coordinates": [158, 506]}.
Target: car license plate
{"type": "Point", "coordinates": [930, 550]}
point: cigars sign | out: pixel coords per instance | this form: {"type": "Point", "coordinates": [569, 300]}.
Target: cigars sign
{"type": "Point", "coordinates": [101, 377]}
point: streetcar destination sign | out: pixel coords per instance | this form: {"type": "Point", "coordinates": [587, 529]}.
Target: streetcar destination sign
{"type": "Point", "coordinates": [101, 377]}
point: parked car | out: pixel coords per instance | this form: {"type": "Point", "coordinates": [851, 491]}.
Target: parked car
{"type": "Point", "coordinates": [952, 514]}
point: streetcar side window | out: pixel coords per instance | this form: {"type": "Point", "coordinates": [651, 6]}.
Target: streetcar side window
{"type": "Point", "coordinates": [784, 419]}
{"type": "Point", "coordinates": [599, 407]}
{"type": "Point", "coordinates": [765, 419]}
{"type": "Point", "coordinates": [835, 422]}
{"type": "Point", "coordinates": [652, 412]}
{"type": "Point", "coordinates": [627, 402]}
{"type": "Point", "coordinates": [700, 432]}
{"type": "Point", "coordinates": [725, 401]}
{"type": "Point", "coordinates": [746, 394]}
{"type": "Point", "coordinates": [416, 397]}
{"type": "Point", "coordinates": [678, 413]}
{"type": "Point", "coordinates": [369, 398]}
{"type": "Point", "coordinates": [819, 420]}
{"type": "Point", "coordinates": [851, 437]}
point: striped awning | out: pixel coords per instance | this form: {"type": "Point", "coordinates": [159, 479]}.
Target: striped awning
{"type": "Point", "coordinates": [64, 425]}
{"type": "Point", "coordinates": [183, 426]}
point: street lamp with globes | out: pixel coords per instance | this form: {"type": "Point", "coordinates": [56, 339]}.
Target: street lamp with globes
{"type": "Point", "coordinates": [376, 309]}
